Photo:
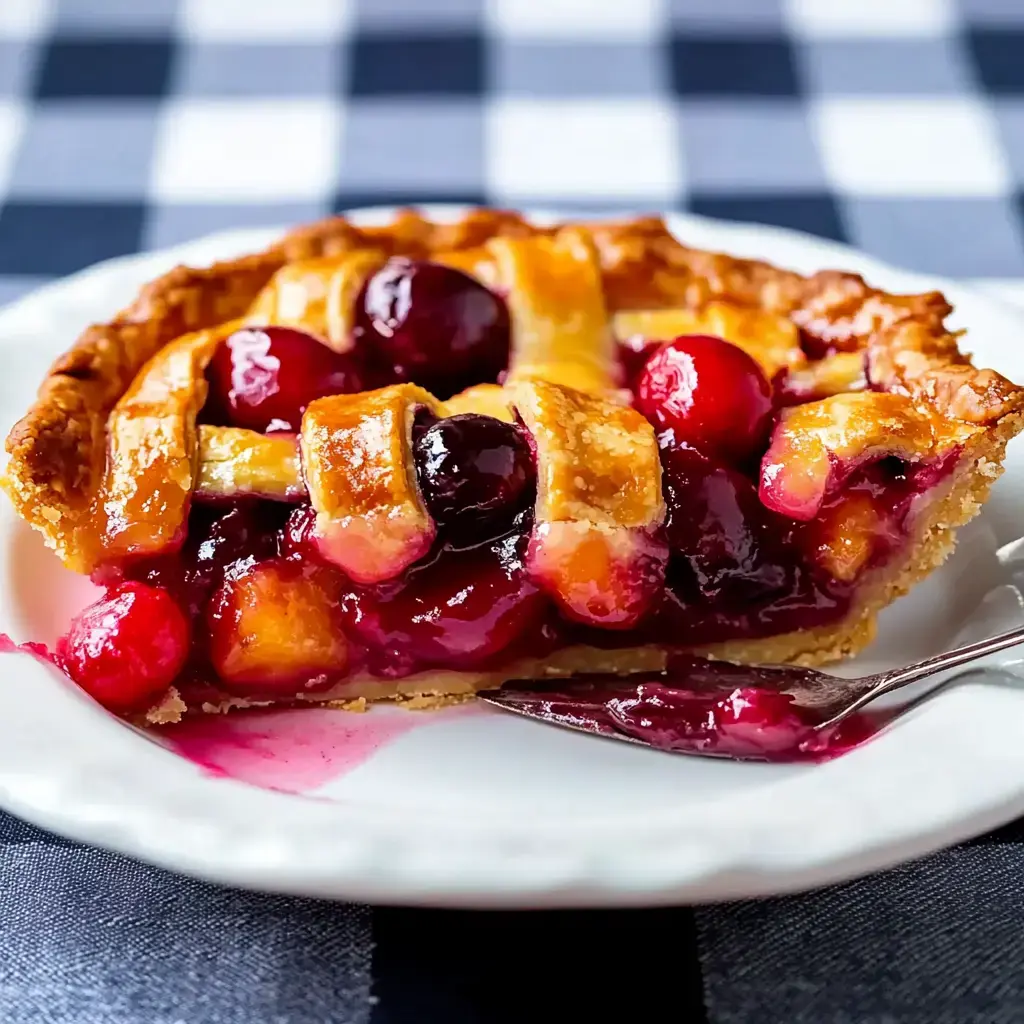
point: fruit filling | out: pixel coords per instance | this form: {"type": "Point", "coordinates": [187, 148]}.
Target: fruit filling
{"type": "Point", "coordinates": [709, 394]}
{"type": "Point", "coordinates": [760, 528]}
{"type": "Point", "coordinates": [128, 647]}
{"type": "Point", "coordinates": [473, 471]}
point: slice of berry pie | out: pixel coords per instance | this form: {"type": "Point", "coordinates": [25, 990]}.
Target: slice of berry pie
{"type": "Point", "coordinates": [411, 462]}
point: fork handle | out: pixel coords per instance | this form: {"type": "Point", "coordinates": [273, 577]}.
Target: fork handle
{"type": "Point", "coordinates": [958, 656]}
{"type": "Point", "coordinates": [900, 677]}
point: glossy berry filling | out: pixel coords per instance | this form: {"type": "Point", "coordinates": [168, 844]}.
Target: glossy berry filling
{"type": "Point", "coordinates": [683, 709]}
{"type": "Point", "coordinates": [461, 609]}
{"type": "Point", "coordinates": [718, 526]}
{"type": "Point", "coordinates": [218, 538]}
{"type": "Point", "coordinates": [748, 572]}
{"type": "Point", "coordinates": [270, 620]}
{"type": "Point", "coordinates": [296, 539]}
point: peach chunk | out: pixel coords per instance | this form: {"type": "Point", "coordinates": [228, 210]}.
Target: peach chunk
{"type": "Point", "coordinates": [274, 629]}
{"type": "Point", "coordinates": [845, 538]}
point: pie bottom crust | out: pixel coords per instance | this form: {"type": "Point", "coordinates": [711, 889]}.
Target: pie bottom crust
{"type": "Point", "coordinates": [929, 542]}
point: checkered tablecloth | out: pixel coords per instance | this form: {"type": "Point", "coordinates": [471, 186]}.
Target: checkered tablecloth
{"type": "Point", "coordinates": [896, 125]}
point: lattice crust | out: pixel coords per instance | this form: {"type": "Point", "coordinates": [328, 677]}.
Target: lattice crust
{"type": "Point", "coordinates": [152, 458]}
{"type": "Point", "coordinates": [556, 306]}
{"type": "Point", "coordinates": [814, 442]}
{"type": "Point", "coordinates": [357, 458]}
{"type": "Point", "coordinates": [234, 462]}
{"type": "Point", "coordinates": [769, 338]}
{"type": "Point", "coordinates": [836, 373]}
{"type": "Point", "coordinates": [569, 289]}
{"type": "Point", "coordinates": [595, 545]}
{"type": "Point", "coordinates": [317, 295]}
{"type": "Point", "coordinates": [483, 399]}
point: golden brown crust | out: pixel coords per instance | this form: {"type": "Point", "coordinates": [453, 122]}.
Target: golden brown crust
{"type": "Point", "coordinates": [357, 460]}
{"type": "Point", "coordinates": [851, 427]}
{"type": "Point", "coordinates": [58, 450]}
{"type": "Point", "coordinates": [234, 461]}
{"type": "Point", "coordinates": [770, 338]}
{"type": "Point", "coordinates": [152, 448]}
{"type": "Point", "coordinates": [556, 305]}
{"type": "Point", "coordinates": [317, 295]}
{"type": "Point", "coordinates": [599, 502]}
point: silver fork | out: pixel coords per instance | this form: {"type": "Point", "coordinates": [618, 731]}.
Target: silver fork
{"type": "Point", "coordinates": [581, 703]}
{"type": "Point", "coordinates": [840, 698]}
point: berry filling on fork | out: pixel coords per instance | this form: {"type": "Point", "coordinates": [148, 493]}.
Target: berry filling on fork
{"type": "Point", "coordinates": [688, 709]}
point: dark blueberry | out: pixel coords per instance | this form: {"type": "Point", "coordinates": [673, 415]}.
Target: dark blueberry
{"type": "Point", "coordinates": [473, 469]}
{"type": "Point", "coordinates": [247, 531]}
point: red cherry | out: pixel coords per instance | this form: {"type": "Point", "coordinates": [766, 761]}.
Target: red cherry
{"type": "Point", "coordinates": [433, 325]}
{"type": "Point", "coordinates": [127, 648]}
{"type": "Point", "coordinates": [634, 352]}
{"type": "Point", "coordinates": [263, 378]}
{"type": "Point", "coordinates": [457, 611]}
{"type": "Point", "coordinates": [709, 393]}
{"type": "Point", "coordinates": [297, 540]}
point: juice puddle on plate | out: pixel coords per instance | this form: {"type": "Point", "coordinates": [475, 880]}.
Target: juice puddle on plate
{"type": "Point", "coordinates": [293, 751]}
{"type": "Point", "coordinates": [289, 750]}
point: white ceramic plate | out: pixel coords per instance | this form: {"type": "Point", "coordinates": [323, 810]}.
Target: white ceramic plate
{"type": "Point", "coordinates": [474, 807]}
